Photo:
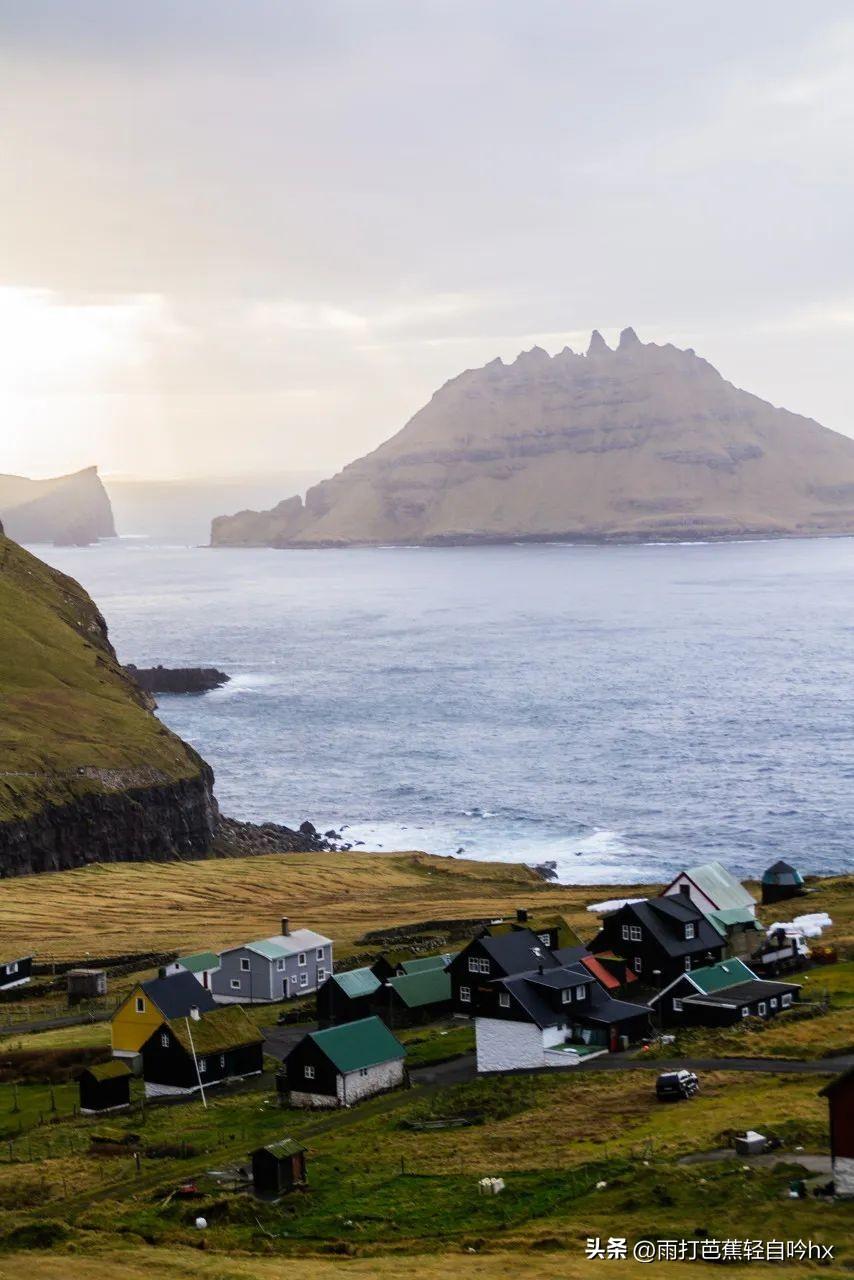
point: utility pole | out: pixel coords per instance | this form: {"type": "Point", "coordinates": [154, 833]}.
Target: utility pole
{"type": "Point", "coordinates": [196, 1065]}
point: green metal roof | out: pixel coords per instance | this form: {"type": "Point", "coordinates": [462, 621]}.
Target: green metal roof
{"type": "Point", "coordinates": [357, 982]}
{"type": "Point", "coordinates": [717, 977]}
{"type": "Point", "coordinates": [199, 961]}
{"type": "Point", "coordinates": [720, 885]}
{"type": "Point", "coordinates": [358, 1044]}
{"type": "Point", "coordinates": [723, 920]}
{"type": "Point", "coordinates": [430, 986]}
{"type": "Point", "coordinates": [426, 962]}
{"type": "Point", "coordinates": [267, 948]}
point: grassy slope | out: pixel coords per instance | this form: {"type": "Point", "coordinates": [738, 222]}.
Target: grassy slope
{"type": "Point", "coordinates": [65, 704]}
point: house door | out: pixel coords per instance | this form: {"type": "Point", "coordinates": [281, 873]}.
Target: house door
{"type": "Point", "coordinates": [205, 980]}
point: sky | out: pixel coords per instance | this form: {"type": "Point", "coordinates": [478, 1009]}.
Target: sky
{"type": "Point", "coordinates": [239, 239]}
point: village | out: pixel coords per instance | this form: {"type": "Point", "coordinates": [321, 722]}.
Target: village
{"type": "Point", "coordinates": [279, 1024]}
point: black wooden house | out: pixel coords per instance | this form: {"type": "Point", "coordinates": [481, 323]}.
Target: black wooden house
{"type": "Point", "coordinates": [14, 973]}
{"type": "Point", "coordinates": [660, 938]}
{"type": "Point", "coordinates": [185, 1054]}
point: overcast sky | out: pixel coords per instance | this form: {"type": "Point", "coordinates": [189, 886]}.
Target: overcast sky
{"type": "Point", "coordinates": [255, 236]}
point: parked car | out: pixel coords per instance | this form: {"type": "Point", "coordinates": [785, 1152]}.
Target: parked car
{"type": "Point", "coordinates": [673, 1086]}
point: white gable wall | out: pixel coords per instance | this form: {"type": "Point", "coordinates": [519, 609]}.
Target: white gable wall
{"type": "Point", "coordinates": [505, 1045]}
{"type": "Point", "coordinates": [699, 899]}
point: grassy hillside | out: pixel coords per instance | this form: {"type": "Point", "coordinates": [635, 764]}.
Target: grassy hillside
{"type": "Point", "coordinates": [71, 723]}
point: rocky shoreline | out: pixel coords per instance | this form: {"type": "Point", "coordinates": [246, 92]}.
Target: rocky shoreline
{"type": "Point", "coordinates": [236, 839]}
{"type": "Point", "coordinates": [161, 679]}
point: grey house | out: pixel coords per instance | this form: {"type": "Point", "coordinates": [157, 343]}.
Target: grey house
{"type": "Point", "coordinates": [289, 964]}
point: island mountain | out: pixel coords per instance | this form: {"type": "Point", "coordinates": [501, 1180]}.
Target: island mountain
{"type": "Point", "coordinates": [66, 510]}
{"type": "Point", "coordinates": [642, 442]}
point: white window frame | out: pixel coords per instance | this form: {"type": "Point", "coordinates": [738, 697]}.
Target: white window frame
{"type": "Point", "coordinates": [321, 975]}
{"type": "Point", "coordinates": [566, 995]}
{"type": "Point", "coordinates": [303, 980]}
{"type": "Point", "coordinates": [773, 1002]}
{"type": "Point", "coordinates": [203, 1065]}
{"type": "Point", "coordinates": [762, 1008]}
{"type": "Point", "coordinates": [745, 1012]}
{"type": "Point", "coordinates": [363, 1071]}
{"type": "Point", "coordinates": [637, 964]}
{"type": "Point", "coordinates": [280, 965]}
{"type": "Point", "coordinates": [484, 967]}
{"type": "Point", "coordinates": [245, 964]}
{"type": "Point", "coordinates": [504, 999]}
{"type": "Point", "coordinates": [222, 1062]}
{"type": "Point", "coordinates": [164, 1039]}
{"type": "Point", "coordinates": [294, 979]}
{"type": "Point", "coordinates": [787, 1000]}
{"type": "Point", "coordinates": [544, 939]}
{"type": "Point", "coordinates": [235, 984]}
{"type": "Point", "coordinates": [625, 933]}
{"type": "Point", "coordinates": [677, 1005]}
{"type": "Point", "coordinates": [318, 955]}
{"type": "Point", "coordinates": [474, 964]}
{"type": "Point", "coordinates": [308, 1072]}
{"type": "Point", "coordinates": [687, 964]}
{"type": "Point", "coordinates": [301, 959]}
{"type": "Point", "coordinates": [465, 995]}
{"type": "Point", "coordinates": [12, 968]}
{"type": "Point", "coordinates": [635, 933]}
{"type": "Point", "coordinates": [580, 993]}
{"type": "Point", "coordinates": [140, 1004]}
{"type": "Point", "coordinates": [690, 931]}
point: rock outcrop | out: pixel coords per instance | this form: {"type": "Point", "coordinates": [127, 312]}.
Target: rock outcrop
{"type": "Point", "coordinates": [176, 679]}
{"type": "Point", "coordinates": [87, 772]}
{"type": "Point", "coordinates": [638, 443]}
{"type": "Point", "coordinates": [71, 510]}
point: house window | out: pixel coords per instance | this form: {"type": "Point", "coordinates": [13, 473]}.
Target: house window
{"type": "Point", "coordinates": [545, 939]}
{"type": "Point", "coordinates": [203, 1066]}
{"type": "Point", "coordinates": [293, 979]}
{"type": "Point", "coordinates": [140, 1004]}
{"type": "Point", "coordinates": [787, 1000]}
{"type": "Point", "coordinates": [13, 967]}
{"type": "Point", "coordinates": [164, 1039]}
{"type": "Point", "coordinates": [677, 1006]}
{"type": "Point", "coordinates": [309, 1073]}
{"type": "Point", "coordinates": [566, 995]}
{"type": "Point", "coordinates": [581, 993]}
{"type": "Point", "coordinates": [687, 964]}
{"type": "Point", "coordinates": [235, 984]}
{"type": "Point", "coordinates": [638, 964]}
{"type": "Point", "coordinates": [635, 932]}
{"type": "Point", "coordinates": [504, 999]}
{"type": "Point", "coordinates": [773, 1002]}
{"type": "Point", "coordinates": [474, 964]}
{"type": "Point", "coordinates": [690, 932]}
{"type": "Point", "coordinates": [625, 932]}
{"type": "Point", "coordinates": [321, 975]}
{"type": "Point", "coordinates": [465, 995]}
{"type": "Point", "coordinates": [484, 967]}
{"type": "Point", "coordinates": [745, 1013]}
{"type": "Point", "coordinates": [319, 953]}
{"type": "Point", "coordinates": [301, 958]}
{"type": "Point", "coordinates": [280, 966]}
{"type": "Point", "coordinates": [763, 1008]}
{"type": "Point", "coordinates": [303, 979]}
{"type": "Point", "coordinates": [222, 1062]}
{"type": "Point", "coordinates": [538, 951]}
{"type": "Point", "coordinates": [363, 1071]}
{"type": "Point", "coordinates": [244, 964]}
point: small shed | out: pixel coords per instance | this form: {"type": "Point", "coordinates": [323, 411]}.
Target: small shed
{"type": "Point", "coordinates": [782, 881]}
{"type": "Point", "coordinates": [840, 1096]}
{"type": "Point", "coordinates": [105, 1087]}
{"type": "Point", "coordinates": [85, 984]}
{"type": "Point", "coordinates": [278, 1167]}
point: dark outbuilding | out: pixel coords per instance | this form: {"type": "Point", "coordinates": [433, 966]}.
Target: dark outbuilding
{"type": "Point", "coordinates": [105, 1087]}
{"type": "Point", "coordinates": [278, 1168]}
{"type": "Point", "coordinates": [782, 881]}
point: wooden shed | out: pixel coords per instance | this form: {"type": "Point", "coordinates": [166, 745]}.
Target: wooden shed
{"type": "Point", "coordinates": [105, 1087]}
{"type": "Point", "coordinates": [278, 1167]}
{"type": "Point", "coordinates": [85, 984]}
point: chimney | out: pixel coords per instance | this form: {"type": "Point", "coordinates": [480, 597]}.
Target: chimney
{"type": "Point", "coordinates": [286, 927]}
{"type": "Point", "coordinates": [541, 969]}
{"type": "Point", "coordinates": [194, 1013]}
{"type": "Point", "coordinates": [521, 915]}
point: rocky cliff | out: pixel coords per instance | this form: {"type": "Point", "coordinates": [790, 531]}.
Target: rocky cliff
{"type": "Point", "coordinates": [67, 510]}
{"type": "Point", "coordinates": [87, 772]}
{"type": "Point", "coordinates": [641, 442]}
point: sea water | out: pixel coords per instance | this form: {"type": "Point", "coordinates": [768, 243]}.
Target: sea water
{"type": "Point", "coordinates": [620, 711]}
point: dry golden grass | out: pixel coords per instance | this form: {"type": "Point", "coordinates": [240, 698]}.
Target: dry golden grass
{"type": "Point", "coordinates": [113, 909]}
{"type": "Point", "coordinates": [186, 1264]}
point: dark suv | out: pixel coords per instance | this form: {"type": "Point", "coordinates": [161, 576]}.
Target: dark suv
{"type": "Point", "coordinates": [673, 1086]}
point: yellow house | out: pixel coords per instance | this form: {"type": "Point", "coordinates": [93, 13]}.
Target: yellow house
{"type": "Point", "coordinates": [152, 1003]}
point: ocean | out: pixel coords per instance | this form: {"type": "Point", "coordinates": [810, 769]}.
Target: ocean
{"type": "Point", "coordinates": [619, 711]}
